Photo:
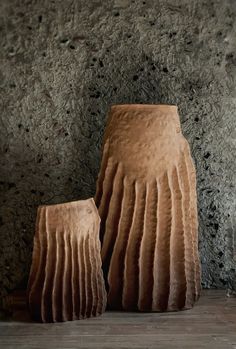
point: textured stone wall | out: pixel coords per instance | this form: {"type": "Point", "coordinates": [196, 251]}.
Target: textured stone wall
{"type": "Point", "coordinates": [64, 62]}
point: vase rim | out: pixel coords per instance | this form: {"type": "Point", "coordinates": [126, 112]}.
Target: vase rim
{"type": "Point", "coordinates": [145, 106]}
{"type": "Point", "coordinates": [89, 201]}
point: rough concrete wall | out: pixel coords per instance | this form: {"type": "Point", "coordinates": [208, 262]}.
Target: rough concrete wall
{"type": "Point", "coordinates": [64, 62]}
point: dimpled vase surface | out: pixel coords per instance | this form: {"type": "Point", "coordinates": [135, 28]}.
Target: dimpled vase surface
{"type": "Point", "coordinates": [66, 280]}
{"type": "Point", "coordinates": [146, 197]}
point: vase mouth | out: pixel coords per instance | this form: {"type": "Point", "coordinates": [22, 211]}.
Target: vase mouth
{"type": "Point", "coordinates": [163, 107]}
{"type": "Point", "coordinates": [89, 201]}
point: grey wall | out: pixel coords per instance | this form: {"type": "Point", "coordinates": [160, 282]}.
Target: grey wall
{"type": "Point", "coordinates": [64, 62]}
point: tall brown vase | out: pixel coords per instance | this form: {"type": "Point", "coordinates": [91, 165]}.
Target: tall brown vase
{"type": "Point", "coordinates": [66, 281]}
{"type": "Point", "coordinates": [146, 195]}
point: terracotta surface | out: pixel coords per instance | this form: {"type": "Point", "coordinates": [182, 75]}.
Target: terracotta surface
{"type": "Point", "coordinates": [66, 281]}
{"type": "Point", "coordinates": [146, 195]}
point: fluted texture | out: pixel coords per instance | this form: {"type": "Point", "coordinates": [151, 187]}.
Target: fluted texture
{"type": "Point", "coordinates": [66, 280]}
{"type": "Point", "coordinates": [146, 196]}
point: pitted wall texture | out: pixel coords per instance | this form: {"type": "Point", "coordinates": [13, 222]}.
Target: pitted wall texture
{"type": "Point", "coordinates": [63, 63]}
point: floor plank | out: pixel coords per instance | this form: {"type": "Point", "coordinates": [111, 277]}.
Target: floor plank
{"type": "Point", "coordinates": [210, 324]}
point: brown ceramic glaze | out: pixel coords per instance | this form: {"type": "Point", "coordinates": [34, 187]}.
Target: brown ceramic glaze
{"type": "Point", "coordinates": [66, 281]}
{"type": "Point", "coordinates": [146, 195]}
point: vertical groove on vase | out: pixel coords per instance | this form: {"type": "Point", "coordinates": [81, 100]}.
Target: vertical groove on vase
{"type": "Point", "coordinates": [99, 293]}
{"type": "Point", "coordinates": [82, 279]}
{"type": "Point", "coordinates": [181, 244]}
{"type": "Point", "coordinates": [93, 278]}
{"type": "Point", "coordinates": [35, 292]}
{"type": "Point", "coordinates": [112, 221]}
{"type": "Point", "coordinates": [37, 251]}
{"type": "Point", "coordinates": [177, 260]}
{"type": "Point", "coordinates": [147, 248]}
{"type": "Point", "coordinates": [64, 267]}
{"type": "Point", "coordinates": [58, 281]}
{"type": "Point", "coordinates": [110, 174]}
{"type": "Point", "coordinates": [80, 294]}
{"type": "Point", "coordinates": [86, 286]}
{"type": "Point", "coordinates": [69, 304]}
{"type": "Point", "coordinates": [51, 267]}
{"type": "Point", "coordinates": [71, 274]}
{"type": "Point", "coordinates": [49, 277]}
{"type": "Point", "coordinates": [194, 221]}
{"type": "Point", "coordinates": [45, 254]}
{"type": "Point", "coordinates": [43, 298]}
{"type": "Point", "coordinates": [101, 176]}
{"type": "Point", "coordinates": [116, 269]}
{"type": "Point", "coordinates": [131, 273]}
{"type": "Point", "coordinates": [89, 291]}
{"type": "Point", "coordinates": [101, 286]}
{"type": "Point", "coordinates": [54, 277]}
{"type": "Point", "coordinates": [161, 268]}
{"type": "Point", "coordinates": [116, 224]}
{"type": "Point", "coordinates": [94, 273]}
{"type": "Point", "coordinates": [76, 277]}
{"type": "Point", "coordinates": [189, 248]}
{"type": "Point", "coordinates": [72, 277]}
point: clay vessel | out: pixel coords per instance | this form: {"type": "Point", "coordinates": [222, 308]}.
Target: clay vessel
{"type": "Point", "coordinates": [66, 280]}
{"type": "Point", "coordinates": [146, 197]}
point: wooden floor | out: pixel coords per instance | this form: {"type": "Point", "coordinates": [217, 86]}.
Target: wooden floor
{"type": "Point", "coordinates": [211, 324]}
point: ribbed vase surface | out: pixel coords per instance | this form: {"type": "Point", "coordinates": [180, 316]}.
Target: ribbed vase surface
{"type": "Point", "coordinates": [66, 280]}
{"type": "Point", "coordinates": [146, 197]}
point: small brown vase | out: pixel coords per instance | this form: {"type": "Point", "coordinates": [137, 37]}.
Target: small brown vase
{"type": "Point", "coordinates": [66, 280]}
{"type": "Point", "coordinates": [146, 195]}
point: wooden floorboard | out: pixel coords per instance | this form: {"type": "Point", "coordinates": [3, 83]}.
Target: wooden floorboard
{"type": "Point", "coordinates": [210, 324]}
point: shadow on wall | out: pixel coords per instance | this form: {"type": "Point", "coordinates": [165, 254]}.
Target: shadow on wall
{"type": "Point", "coordinates": [34, 178]}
